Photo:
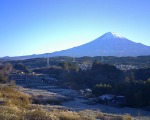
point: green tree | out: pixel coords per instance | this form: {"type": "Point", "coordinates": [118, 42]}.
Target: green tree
{"type": "Point", "coordinates": [3, 78]}
{"type": "Point", "coordinates": [21, 67]}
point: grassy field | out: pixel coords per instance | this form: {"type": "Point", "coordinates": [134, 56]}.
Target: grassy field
{"type": "Point", "coordinates": [15, 105]}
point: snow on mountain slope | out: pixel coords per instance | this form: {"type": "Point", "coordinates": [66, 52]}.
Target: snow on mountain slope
{"type": "Point", "coordinates": [110, 35]}
{"type": "Point", "coordinates": [109, 44]}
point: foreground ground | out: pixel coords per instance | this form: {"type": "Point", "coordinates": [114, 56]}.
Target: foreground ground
{"type": "Point", "coordinates": [15, 105]}
{"type": "Point", "coordinates": [52, 97]}
{"type": "Point", "coordinates": [67, 99]}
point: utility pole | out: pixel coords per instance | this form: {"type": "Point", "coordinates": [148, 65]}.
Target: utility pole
{"type": "Point", "coordinates": [102, 57]}
{"type": "Point", "coordinates": [100, 53]}
{"type": "Point", "coordinates": [74, 60]}
{"type": "Point", "coordinates": [47, 60]}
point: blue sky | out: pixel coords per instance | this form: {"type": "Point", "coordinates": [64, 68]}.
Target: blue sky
{"type": "Point", "coordinates": [42, 26]}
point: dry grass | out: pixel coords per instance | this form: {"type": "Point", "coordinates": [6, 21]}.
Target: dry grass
{"type": "Point", "coordinates": [12, 97]}
{"type": "Point", "coordinates": [127, 117]}
{"type": "Point", "coordinates": [38, 114]}
{"type": "Point", "coordinates": [10, 113]}
{"type": "Point", "coordinates": [67, 115]}
{"type": "Point", "coordinates": [15, 105]}
{"type": "Point", "coordinates": [90, 115]}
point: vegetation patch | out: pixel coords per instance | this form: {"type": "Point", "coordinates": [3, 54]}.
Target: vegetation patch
{"type": "Point", "coordinates": [15, 105]}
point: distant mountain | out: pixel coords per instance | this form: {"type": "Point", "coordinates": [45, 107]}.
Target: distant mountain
{"type": "Point", "coordinates": [24, 57]}
{"type": "Point", "coordinates": [109, 44]}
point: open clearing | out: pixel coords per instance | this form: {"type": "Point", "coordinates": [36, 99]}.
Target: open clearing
{"type": "Point", "coordinates": [53, 97]}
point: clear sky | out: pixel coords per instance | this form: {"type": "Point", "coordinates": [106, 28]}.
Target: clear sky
{"type": "Point", "coordinates": [43, 26]}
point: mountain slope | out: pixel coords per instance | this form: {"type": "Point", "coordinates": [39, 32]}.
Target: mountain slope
{"type": "Point", "coordinates": [109, 44]}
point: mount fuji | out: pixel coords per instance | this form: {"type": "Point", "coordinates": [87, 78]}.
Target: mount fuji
{"type": "Point", "coordinates": [109, 44]}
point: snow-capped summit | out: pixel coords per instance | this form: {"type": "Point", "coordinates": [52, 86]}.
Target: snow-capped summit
{"type": "Point", "coordinates": [109, 44]}
{"type": "Point", "coordinates": [111, 35]}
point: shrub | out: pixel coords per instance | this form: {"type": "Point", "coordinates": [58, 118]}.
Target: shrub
{"type": "Point", "coordinates": [39, 114]}
{"type": "Point", "coordinates": [91, 115]}
{"type": "Point", "coordinates": [67, 115]}
{"type": "Point", "coordinates": [13, 97]}
{"type": "Point", "coordinates": [9, 113]}
{"type": "Point", "coordinates": [127, 117]}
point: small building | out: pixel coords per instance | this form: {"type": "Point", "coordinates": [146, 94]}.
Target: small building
{"type": "Point", "coordinates": [82, 92]}
{"type": "Point", "coordinates": [86, 92]}
{"type": "Point", "coordinates": [107, 98]}
{"type": "Point", "coordinates": [114, 100]}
